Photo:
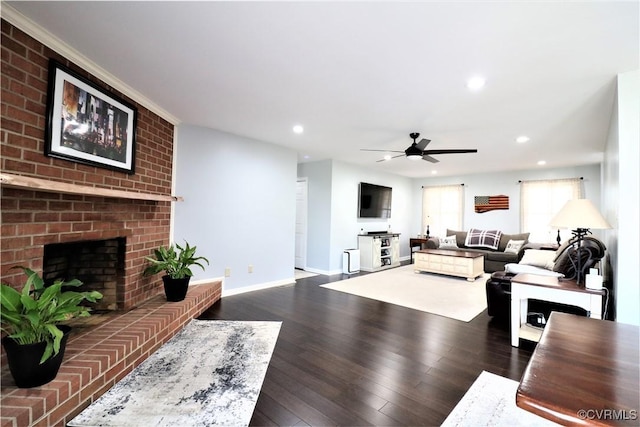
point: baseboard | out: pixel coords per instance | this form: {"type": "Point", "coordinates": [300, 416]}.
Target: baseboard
{"type": "Point", "coordinates": [257, 287]}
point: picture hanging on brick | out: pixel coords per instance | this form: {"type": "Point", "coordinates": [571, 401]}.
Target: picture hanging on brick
{"type": "Point", "coordinates": [490, 203]}
{"type": "Point", "coordinates": [86, 124]}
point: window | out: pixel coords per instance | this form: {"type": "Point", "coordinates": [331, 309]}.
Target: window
{"type": "Point", "coordinates": [442, 208]}
{"type": "Point", "coordinates": [540, 201]}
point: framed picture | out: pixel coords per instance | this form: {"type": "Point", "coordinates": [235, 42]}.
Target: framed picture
{"type": "Point", "coordinates": [86, 124]}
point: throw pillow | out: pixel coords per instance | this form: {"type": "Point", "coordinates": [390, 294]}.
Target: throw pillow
{"type": "Point", "coordinates": [521, 268]}
{"type": "Point", "coordinates": [514, 246]}
{"type": "Point", "coordinates": [539, 258]}
{"type": "Point", "coordinates": [448, 242]}
{"type": "Point", "coordinates": [506, 237]}
{"type": "Point", "coordinates": [483, 239]}
{"type": "Point", "coordinates": [461, 236]}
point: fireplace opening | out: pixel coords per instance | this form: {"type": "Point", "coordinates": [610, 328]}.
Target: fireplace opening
{"type": "Point", "coordinates": [98, 264]}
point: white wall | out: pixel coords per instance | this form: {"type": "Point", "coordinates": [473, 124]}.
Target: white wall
{"type": "Point", "coordinates": [504, 183]}
{"type": "Point", "coordinates": [344, 212]}
{"type": "Point", "coordinates": [318, 176]}
{"type": "Point", "coordinates": [333, 211]}
{"type": "Point", "coordinates": [621, 199]}
{"type": "Point", "coordinates": [239, 206]}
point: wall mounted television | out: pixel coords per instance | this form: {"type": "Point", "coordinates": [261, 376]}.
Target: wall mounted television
{"type": "Point", "coordinates": [374, 201]}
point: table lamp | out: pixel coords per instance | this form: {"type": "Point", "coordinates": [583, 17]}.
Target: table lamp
{"type": "Point", "coordinates": [579, 215]}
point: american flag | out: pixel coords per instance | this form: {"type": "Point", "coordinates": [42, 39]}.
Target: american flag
{"type": "Point", "coordinates": [490, 203]}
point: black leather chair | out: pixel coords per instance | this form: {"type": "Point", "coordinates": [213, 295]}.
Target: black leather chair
{"type": "Point", "coordinates": [498, 286]}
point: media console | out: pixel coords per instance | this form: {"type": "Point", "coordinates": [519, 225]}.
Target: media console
{"type": "Point", "coordinates": [379, 251]}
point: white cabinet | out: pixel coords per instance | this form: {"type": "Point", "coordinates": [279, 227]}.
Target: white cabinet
{"type": "Point", "coordinates": [379, 251]}
{"type": "Point", "coordinates": [453, 263]}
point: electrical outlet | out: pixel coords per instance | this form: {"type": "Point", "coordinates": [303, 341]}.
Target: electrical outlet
{"type": "Point", "coordinates": [227, 272]}
{"type": "Point", "coordinates": [250, 268]}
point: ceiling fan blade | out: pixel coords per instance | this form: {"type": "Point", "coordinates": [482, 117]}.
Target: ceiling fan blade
{"type": "Point", "coordinates": [450, 151]}
{"type": "Point", "coordinates": [384, 160]}
{"type": "Point", "coordinates": [382, 151]}
{"type": "Point", "coordinates": [429, 158]}
{"type": "Point", "coordinates": [423, 143]}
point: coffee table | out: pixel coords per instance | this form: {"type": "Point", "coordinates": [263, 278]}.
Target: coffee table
{"type": "Point", "coordinates": [452, 263]}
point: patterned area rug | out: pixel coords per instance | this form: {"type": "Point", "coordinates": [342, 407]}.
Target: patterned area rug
{"type": "Point", "coordinates": [446, 296]}
{"type": "Point", "coordinates": [491, 401]}
{"type": "Point", "coordinates": [209, 374]}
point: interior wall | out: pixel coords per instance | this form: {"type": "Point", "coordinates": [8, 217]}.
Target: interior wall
{"type": "Point", "coordinates": [319, 179]}
{"type": "Point", "coordinates": [344, 209]}
{"type": "Point", "coordinates": [622, 181]}
{"type": "Point", "coordinates": [333, 211]}
{"type": "Point", "coordinates": [503, 183]}
{"type": "Point", "coordinates": [239, 206]}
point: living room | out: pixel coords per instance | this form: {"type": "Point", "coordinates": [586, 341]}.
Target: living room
{"type": "Point", "coordinates": [240, 209]}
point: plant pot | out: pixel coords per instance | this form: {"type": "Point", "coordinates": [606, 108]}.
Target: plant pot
{"type": "Point", "coordinates": [175, 289]}
{"type": "Point", "coordinates": [24, 361]}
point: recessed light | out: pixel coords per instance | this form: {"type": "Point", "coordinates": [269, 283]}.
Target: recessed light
{"type": "Point", "coordinates": [476, 83]}
{"type": "Point", "coordinates": [522, 139]}
{"type": "Point", "coordinates": [542, 162]}
{"type": "Point", "coordinates": [434, 172]}
{"type": "Point", "coordinates": [298, 129]}
{"type": "Point", "coordinates": [306, 156]}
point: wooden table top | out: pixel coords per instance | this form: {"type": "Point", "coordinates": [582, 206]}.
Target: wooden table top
{"type": "Point", "coordinates": [451, 252]}
{"type": "Point", "coordinates": [584, 372]}
{"type": "Point", "coordinates": [553, 282]}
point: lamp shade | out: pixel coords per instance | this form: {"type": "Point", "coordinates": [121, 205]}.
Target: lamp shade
{"type": "Point", "coordinates": [579, 213]}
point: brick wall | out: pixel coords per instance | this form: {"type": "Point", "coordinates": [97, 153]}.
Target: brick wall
{"type": "Point", "coordinates": [31, 219]}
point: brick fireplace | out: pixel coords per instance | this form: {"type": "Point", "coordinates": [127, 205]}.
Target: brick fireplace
{"type": "Point", "coordinates": [98, 264]}
{"type": "Point", "coordinates": [76, 221]}
{"type": "Point", "coordinates": [33, 219]}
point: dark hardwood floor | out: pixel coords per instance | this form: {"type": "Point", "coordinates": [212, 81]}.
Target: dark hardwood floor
{"type": "Point", "coordinates": [346, 360]}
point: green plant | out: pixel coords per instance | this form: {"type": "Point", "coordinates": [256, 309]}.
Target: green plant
{"type": "Point", "coordinates": [31, 316]}
{"type": "Point", "coordinates": [175, 260]}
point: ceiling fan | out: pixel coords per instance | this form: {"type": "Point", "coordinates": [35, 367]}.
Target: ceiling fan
{"type": "Point", "coordinates": [416, 150]}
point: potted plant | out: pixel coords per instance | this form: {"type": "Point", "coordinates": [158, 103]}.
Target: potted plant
{"type": "Point", "coordinates": [36, 340]}
{"type": "Point", "coordinates": [176, 262]}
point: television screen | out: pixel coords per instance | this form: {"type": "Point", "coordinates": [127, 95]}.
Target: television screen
{"type": "Point", "coordinates": [374, 201]}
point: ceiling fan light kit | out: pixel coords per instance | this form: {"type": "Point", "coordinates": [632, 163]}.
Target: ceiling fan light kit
{"type": "Point", "coordinates": [417, 151]}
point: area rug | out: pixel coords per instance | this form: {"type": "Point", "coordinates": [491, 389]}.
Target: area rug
{"type": "Point", "coordinates": [491, 401]}
{"type": "Point", "coordinates": [446, 296]}
{"type": "Point", "coordinates": [301, 274]}
{"type": "Point", "coordinates": [208, 374]}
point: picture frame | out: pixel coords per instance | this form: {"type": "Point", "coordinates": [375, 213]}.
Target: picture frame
{"type": "Point", "coordinates": [86, 124]}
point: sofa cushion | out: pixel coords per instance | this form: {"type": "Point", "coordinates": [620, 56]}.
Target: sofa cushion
{"type": "Point", "coordinates": [483, 238]}
{"type": "Point", "coordinates": [504, 239]}
{"type": "Point", "coordinates": [448, 242]}
{"type": "Point", "coordinates": [461, 236]}
{"type": "Point", "coordinates": [500, 256]}
{"type": "Point", "coordinates": [538, 258]}
{"type": "Point", "coordinates": [513, 268]}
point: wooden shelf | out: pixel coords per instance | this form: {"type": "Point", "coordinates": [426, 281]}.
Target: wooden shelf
{"type": "Point", "coordinates": [30, 183]}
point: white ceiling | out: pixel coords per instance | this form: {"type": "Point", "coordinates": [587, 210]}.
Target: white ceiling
{"type": "Point", "coordinates": [366, 74]}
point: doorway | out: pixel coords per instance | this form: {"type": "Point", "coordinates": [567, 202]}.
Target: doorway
{"type": "Point", "coordinates": [302, 188]}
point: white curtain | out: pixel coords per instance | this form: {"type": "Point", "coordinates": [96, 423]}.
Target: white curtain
{"type": "Point", "coordinates": [540, 201]}
{"type": "Point", "coordinates": [442, 208]}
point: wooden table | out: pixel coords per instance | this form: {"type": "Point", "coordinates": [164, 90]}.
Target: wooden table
{"type": "Point", "coordinates": [546, 288]}
{"type": "Point", "coordinates": [583, 372]}
{"type": "Point", "coordinates": [416, 242]}
{"type": "Point", "coordinates": [469, 265]}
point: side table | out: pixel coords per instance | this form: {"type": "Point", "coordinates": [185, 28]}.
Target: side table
{"type": "Point", "coordinates": [545, 288]}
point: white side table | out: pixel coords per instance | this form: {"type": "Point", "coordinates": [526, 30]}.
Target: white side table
{"type": "Point", "coordinates": [544, 288]}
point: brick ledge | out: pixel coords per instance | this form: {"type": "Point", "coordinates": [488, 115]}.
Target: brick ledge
{"type": "Point", "coordinates": [98, 357]}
